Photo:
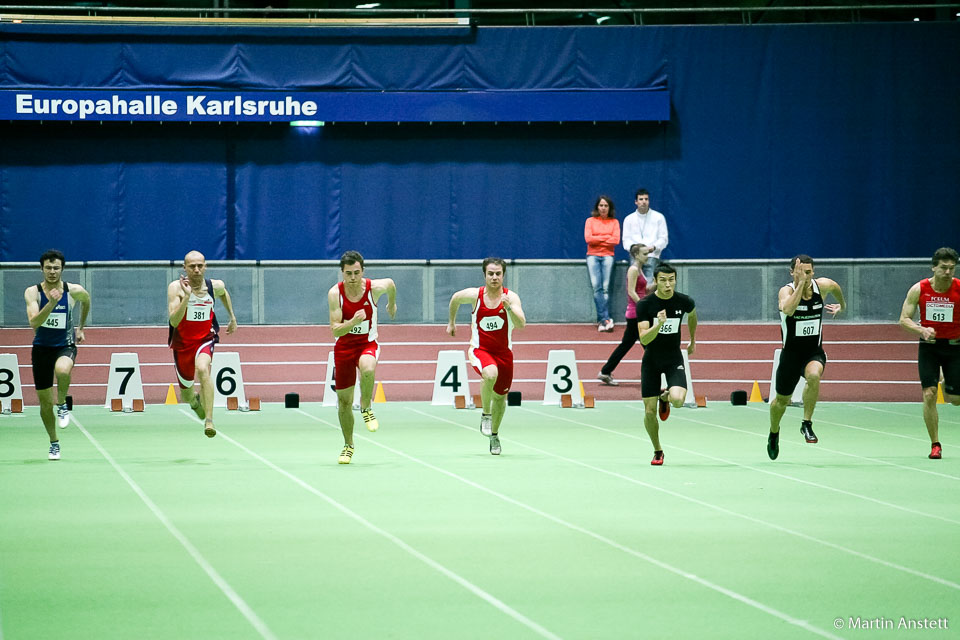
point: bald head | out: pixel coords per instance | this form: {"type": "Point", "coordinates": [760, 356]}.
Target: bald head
{"type": "Point", "coordinates": [195, 265]}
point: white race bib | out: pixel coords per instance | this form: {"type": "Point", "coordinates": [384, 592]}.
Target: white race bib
{"type": "Point", "coordinates": [940, 311]}
{"type": "Point", "coordinates": [361, 329]}
{"type": "Point", "coordinates": [491, 323]}
{"type": "Point", "coordinates": [672, 325]}
{"type": "Point", "coordinates": [55, 321]}
{"type": "Point", "coordinates": [808, 328]}
{"type": "Point", "coordinates": [199, 312]}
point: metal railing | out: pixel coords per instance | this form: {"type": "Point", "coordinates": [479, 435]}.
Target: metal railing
{"type": "Point", "coordinates": [599, 16]}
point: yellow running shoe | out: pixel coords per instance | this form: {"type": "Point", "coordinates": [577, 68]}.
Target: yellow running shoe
{"type": "Point", "coordinates": [208, 429]}
{"type": "Point", "coordinates": [369, 419]}
{"type": "Point", "coordinates": [346, 455]}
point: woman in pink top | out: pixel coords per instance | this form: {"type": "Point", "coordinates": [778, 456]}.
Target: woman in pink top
{"type": "Point", "coordinates": [602, 234]}
{"type": "Point", "coordinates": [636, 290]}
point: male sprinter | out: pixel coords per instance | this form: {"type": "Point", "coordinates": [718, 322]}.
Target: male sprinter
{"type": "Point", "coordinates": [353, 320]}
{"type": "Point", "coordinates": [938, 299]}
{"type": "Point", "coordinates": [50, 313]}
{"type": "Point", "coordinates": [801, 314]}
{"type": "Point", "coordinates": [659, 317]}
{"type": "Point", "coordinates": [194, 331]}
{"type": "Point", "coordinates": [496, 311]}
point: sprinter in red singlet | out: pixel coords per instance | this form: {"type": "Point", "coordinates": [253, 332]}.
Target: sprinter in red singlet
{"type": "Point", "coordinates": [496, 312]}
{"type": "Point", "coordinates": [938, 300]}
{"type": "Point", "coordinates": [353, 320]}
{"type": "Point", "coordinates": [194, 331]}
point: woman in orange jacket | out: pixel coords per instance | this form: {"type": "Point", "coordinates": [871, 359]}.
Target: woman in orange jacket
{"type": "Point", "coordinates": [602, 234]}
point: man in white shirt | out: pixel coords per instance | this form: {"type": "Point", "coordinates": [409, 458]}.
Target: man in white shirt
{"type": "Point", "coordinates": [648, 228]}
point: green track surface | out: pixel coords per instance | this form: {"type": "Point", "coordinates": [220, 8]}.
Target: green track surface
{"type": "Point", "coordinates": [147, 529]}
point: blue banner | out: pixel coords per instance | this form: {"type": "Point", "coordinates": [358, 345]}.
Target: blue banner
{"type": "Point", "coordinates": [549, 105]}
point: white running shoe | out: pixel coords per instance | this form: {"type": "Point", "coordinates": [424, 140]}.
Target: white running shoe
{"type": "Point", "coordinates": [495, 445]}
{"type": "Point", "coordinates": [54, 453]}
{"type": "Point", "coordinates": [486, 424]}
{"type": "Point", "coordinates": [63, 416]}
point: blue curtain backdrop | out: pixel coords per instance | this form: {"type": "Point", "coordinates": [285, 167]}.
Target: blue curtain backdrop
{"type": "Point", "coordinates": [833, 140]}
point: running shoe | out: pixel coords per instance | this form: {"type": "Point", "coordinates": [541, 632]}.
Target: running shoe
{"type": "Point", "coordinates": [369, 419]}
{"type": "Point", "coordinates": [346, 455]}
{"type": "Point", "coordinates": [601, 326]}
{"type": "Point", "coordinates": [657, 458]}
{"type": "Point", "coordinates": [197, 407]}
{"type": "Point", "coordinates": [494, 445]}
{"type": "Point", "coordinates": [208, 430]}
{"type": "Point", "coordinates": [806, 428]}
{"type": "Point", "coordinates": [663, 407]}
{"type": "Point", "coordinates": [607, 379]}
{"type": "Point", "coordinates": [486, 424]}
{"type": "Point", "coordinates": [773, 445]}
{"type": "Point", "coordinates": [54, 453]}
{"type": "Point", "coordinates": [63, 416]}
{"type": "Point", "coordinates": [608, 325]}
{"type": "Point", "coordinates": [935, 451]}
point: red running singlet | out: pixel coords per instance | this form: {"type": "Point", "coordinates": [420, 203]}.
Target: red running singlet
{"type": "Point", "coordinates": [491, 328]}
{"type": "Point", "coordinates": [941, 310]}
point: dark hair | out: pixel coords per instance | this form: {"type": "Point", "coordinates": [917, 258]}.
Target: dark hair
{"type": "Point", "coordinates": [635, 250]}
{"type": "Point", "coordinates": [944, 253]}
{"type": "Point", "coordinates": [641, 192]}
{"type": "Point", "coordinates": [596, 207]}
{"type": "Point", "coordinates": [802, 258]}
{"type": "Point", "coordinates": [663, 267]}
{"type": "Point", "coordinates": [492, 260]}
{"type": "Point", "coordinates": [349, 257]}
{"type": "Point", "coordinates": [53, 254]}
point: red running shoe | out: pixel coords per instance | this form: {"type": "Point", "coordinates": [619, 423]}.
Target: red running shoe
{"type": "Point", "coordinates": [663, 407]}
{"type": "Point", "coordinates": [935, 451]}
{"type": "Point", "coordinates": [657, 458]}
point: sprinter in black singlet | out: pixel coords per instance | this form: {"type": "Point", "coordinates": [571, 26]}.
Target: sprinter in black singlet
{"type": "Point", "coordinates": [659, 317]}
{"type": "Point", "coordinates": [802, 303]}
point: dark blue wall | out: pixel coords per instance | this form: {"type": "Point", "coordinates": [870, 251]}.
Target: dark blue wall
{"type": "Point", "coordinates": [834, 140]}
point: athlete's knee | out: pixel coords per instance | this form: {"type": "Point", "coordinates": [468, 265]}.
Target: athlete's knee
{"type": "Point", "coordinates": [490, 373]}
{"type": "Point", "coordinates": [678, 397]}
{"type": "Point", "coordinates": [781, 401]}
{"type": "Point", "coordinates": [813, 378]}
{"type": "Point", "coordinates": [930, 395]}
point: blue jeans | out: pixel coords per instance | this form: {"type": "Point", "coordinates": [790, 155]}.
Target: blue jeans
{"type": "Point", "coordinates": [600, 269]}
{"type": "Point", "coordinates": [649, 267]}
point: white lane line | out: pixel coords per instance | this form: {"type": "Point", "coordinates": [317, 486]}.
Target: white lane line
{"type": "Point", "coordinates": [463, 582]}
{"type": "Point", "coordinates": [916, 414]}
{"type": "Point", "coordinates": [853, 455]}
{"type": "Point", "coordinates": [217, 579]}
{"type": "Point", "coordinates": [714, 507]}
{"type": "Point", "coordinates": [803, 624]}
{"type": "Point", "coordinates": [766, 471]}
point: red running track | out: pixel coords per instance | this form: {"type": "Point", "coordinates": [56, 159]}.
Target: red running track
{"type": "Point", "coordinates": [866, 362]}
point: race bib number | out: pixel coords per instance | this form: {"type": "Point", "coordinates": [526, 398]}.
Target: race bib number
{"type": "Point", "coordinates": [361, 329]}
{"type": "Point", "coordinates": [492, 323]}
{"type": "Point", "coordinates": [55, 321]}
{"type": "Point", "coordinates": [672, 325]}
{"type": "Point", "coordinates": [199, 313]}
{"type": "Point", "coordinates": [939, 312]}
{"type": "Point", "coordinates": [808, 328]}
